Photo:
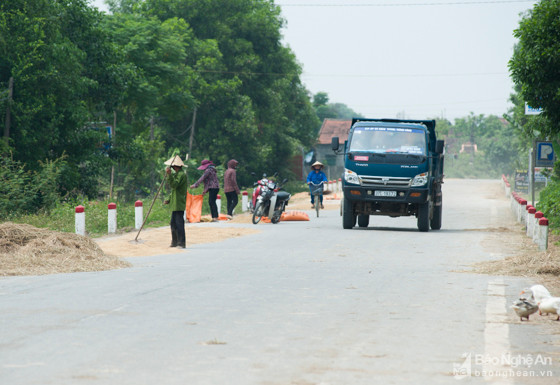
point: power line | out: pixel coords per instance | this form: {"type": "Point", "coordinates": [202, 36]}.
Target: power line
{"type": "Point", "coordinates": [407, 4]}
{"type": "Point", "coordinates": [305, 74]}
{"type": "Point", "coordinates": [406, 75]}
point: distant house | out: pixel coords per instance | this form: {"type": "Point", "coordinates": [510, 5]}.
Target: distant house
{"type": "Point", "coordinates": [468, 148]}
{"type": "Point", "coordinates": [334, 164]}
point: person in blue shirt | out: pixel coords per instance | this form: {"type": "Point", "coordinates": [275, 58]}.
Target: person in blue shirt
{"type": "Point", "coordinates": [316, 176]}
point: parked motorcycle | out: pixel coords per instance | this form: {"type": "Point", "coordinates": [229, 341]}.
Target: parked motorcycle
{"type": "Point", "coordinates": [268, 200]}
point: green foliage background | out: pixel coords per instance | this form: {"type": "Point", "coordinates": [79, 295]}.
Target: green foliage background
{"type": "Point", "coordinates": [210, 78]}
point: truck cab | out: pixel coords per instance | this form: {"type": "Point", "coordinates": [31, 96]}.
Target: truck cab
{"type": "Point", "coordinates": [393, 168]}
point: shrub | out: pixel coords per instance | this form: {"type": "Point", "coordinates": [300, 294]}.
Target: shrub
{"type": "Point", "coordinates": [549, 204]}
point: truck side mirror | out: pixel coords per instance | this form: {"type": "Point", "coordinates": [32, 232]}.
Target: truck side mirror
{"type": "Point", "coordinates": [439, 146]}
{"type": "Point", "coordinates": [334, 143]}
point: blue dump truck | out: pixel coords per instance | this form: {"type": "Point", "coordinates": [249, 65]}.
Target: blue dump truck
{"type": "Point", "coordinates": [394, 168]}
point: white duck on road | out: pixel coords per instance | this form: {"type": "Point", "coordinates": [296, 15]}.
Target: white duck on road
{"type": "Point", "coordinates": [550, 305]}
{"type": "Point", "coordinates": [536, 293]}
{"type": "Point", "coordinates": [524, 308]}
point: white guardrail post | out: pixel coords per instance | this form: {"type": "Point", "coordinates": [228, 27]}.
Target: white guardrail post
{"type": "Point", "coordinates": [138, 214]}
{"type": "Point", "coordinates": [538, 216]}
{"type": "Point", "coordinates": [112, 218]}
{"type": "Point", "coordinates": [80, 220]}
{"type": "Point", "coordinates": [542, 241]}
{"type": "Point", "coordinates": [244, 200]}
{"type": "Point", "coordinates": [530, 223]}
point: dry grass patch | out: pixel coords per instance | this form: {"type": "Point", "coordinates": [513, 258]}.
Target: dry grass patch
{"type": "Point", "coordinates": [528, 261]}
{"type": "Point", "coordinates": [28, 250]}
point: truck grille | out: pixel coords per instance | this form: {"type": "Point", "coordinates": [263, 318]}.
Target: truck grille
{"type": "Point", "coordinates": [382, 181]}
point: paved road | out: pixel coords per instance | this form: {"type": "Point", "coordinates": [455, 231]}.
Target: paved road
{"type": "Point", "coordinates": [299, 303]}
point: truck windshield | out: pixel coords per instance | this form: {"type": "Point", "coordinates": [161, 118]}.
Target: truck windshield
{"type": "Point", "coordinates": [388, 140]}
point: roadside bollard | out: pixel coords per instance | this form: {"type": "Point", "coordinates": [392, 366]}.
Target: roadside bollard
{"type": "Point", "coordinates": [112, 218]}
{"type": "Point", "coordinates": [219, 203]}
{"type": "Point", "coordinates": [530, 222]}
{"type": "Point", "coordinates": [538, 216]}
{"type": "Point", "coordinates": [339, 186]}
{"type": "Point", "coordinates": [522, 214]}
{"type": "Point", "coordinates": [513, 202]}
{"type": "Point", "coordinates": [80, 220]}
{"type": "Point", "coordinates": [138, 214]}
{"type": "Point", "coordinates": [542, 240]}
{"type": "Point", "coordinates": [244, 200]}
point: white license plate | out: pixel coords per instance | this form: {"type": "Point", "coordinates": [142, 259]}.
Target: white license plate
{"type": "Point", "coordinates": [381, 193]}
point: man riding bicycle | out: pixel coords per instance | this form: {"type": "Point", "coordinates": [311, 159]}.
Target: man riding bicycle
{"type": "Point", "coordinates": [314, 179]}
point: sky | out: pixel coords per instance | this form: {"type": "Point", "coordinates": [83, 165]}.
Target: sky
{"type": "Point", "coordinates": [418, 59]}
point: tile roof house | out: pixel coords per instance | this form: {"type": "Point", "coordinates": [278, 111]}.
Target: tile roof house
{"type": "Point", "coordinates": [334, 127]}
{"type": "Point", "coordinates": [334, 164]}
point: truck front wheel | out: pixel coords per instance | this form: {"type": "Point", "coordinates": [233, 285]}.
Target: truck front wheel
{"type": "Point", "coordinates": [424, 217]}
{"type": "Point", "coordinates": [363, 220]}
{"type": "Point", "coordinates": [348, 217]}
{"type": "Point", "coordinates": [435, 223]}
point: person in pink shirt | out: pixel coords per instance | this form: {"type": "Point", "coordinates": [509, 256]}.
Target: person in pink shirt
{"type": "Point", "coordinates": [230, 186]}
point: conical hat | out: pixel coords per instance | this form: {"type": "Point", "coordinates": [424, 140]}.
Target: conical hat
{"type": "Point", "coordinates": [317, 164]}
{"type": "Point", "coordinates": [175, 161]}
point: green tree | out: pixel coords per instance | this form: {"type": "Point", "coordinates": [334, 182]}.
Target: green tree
{"type": "Point", "coordinates": [45, 48]}
{"type": "Point", "coordinates": [251, 104]}
{"type": "Point", "coordinates": [326, 110]}
{"type": "Point", "coordinates": [536, 59]}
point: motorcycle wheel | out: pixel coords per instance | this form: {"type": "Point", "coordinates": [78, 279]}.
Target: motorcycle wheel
{"type": "Point", "coordinates": [276, 217]}
{"type": "Point", "coordinates": [258, 213]}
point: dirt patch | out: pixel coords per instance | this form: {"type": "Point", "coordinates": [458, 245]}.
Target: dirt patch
{"type": "Point", "coordinates": [156, 241]}
{"type": "Point", "coordinates": [528, 261]}
{"type": "Point", "coordinates": [27, 250]}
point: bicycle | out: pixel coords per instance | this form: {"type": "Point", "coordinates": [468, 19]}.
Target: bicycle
{"type": "Point", "coordinates": [317, 190]}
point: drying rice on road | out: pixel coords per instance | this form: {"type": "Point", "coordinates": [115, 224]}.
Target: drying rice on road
{"type": "Point", "coordinates": [27, 250]}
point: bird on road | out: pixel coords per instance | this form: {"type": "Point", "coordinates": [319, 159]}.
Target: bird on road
{"type": "Point", "coordinates": [550, 305]}
{"type": "Point", "coordinates": [536, 292]}
{"type": "Point", "coordinates": [524, 308]}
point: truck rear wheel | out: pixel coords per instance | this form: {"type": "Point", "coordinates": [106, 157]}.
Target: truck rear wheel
{"type": "Point", "coordinates": [435, 223]}
{"type": "Point", "coordinates": [424, 217]}
{"type": "Point", "coordinates": [363, 220]}
{"type": "Point", "coordinates": [348, 217]}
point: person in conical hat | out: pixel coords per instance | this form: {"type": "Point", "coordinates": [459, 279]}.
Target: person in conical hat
{"type": "Point", "coordinates": [177, 200]}
{"type": "Point", "coordinates": [314, 178]}
{"type": "Point", "coordinates": [175, 161]}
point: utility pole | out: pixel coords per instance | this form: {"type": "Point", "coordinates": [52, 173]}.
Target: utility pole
{"type": "Point", "coordinates": [192, 131]}
{"type": "Point", "coordinates": [113, 131]}
{"type": "Point", "coordinates": [8, 109]}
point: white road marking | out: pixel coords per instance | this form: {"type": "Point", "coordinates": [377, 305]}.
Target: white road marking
{"type": "Point", "coordinates": [496, 334]}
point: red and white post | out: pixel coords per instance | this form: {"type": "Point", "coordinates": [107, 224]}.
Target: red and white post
{"type": "Point", "coordinates": [542, 239]}
{"type": "Point", "coordinates": [538, 216]}
{"type": "Point", "coordinates": [244, 201]}
{"type": "Point", "coordinates": [112, 218]}
{"type": "Point", "coordinates": [219, 203]}
{"type": "Point", "coordinates": [530, 222]}
{"type": "Point", "coordinates": [522, 214]}
{"type": "Point", "coordinates": [80, 220]}
{"type": "Point", "coordinates": [138, 214]}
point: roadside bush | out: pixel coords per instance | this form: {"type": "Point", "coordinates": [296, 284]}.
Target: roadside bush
{"type": "Point", "coordinates": [549, 204]}
{"type": "Point", "coordinates": [25, 191]}
{"type": "Point", "coordinates": [61, 216]}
